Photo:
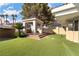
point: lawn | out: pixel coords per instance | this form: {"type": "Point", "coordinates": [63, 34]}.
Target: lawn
{"type": "Point", "coordinates": [52, 45]}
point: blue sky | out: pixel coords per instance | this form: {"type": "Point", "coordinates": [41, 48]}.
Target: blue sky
{"type": "Point", "coordinates": [15, 8]}
{"type": "Point", "coordinates": [54, 5]}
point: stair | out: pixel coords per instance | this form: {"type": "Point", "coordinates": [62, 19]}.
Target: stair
{"type": "Point", "coordinates": [36, 37]}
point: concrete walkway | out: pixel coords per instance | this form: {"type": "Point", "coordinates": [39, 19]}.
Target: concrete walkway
{"type": "Point", "coordinates": [36, 37]}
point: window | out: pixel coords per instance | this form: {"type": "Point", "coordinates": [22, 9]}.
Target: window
{"type": "Point", "coordinates": [70, 26]}
{"type": "Point", "coordinates": [73, 26]}
{"type": "Point", "coordinates": [76, 25]}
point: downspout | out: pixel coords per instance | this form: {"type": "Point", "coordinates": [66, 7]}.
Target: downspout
{"type": "Point", "coordinates": [78, 30]}
{"type": "Point", "coordinates": [73, 29]}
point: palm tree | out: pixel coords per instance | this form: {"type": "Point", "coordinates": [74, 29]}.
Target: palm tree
{"type": "Point", "coordinates": [6, 15]}
{"type": "Point", "coordinates": [19, 26]}
{"type": "Point", "coordinates": [2, 17]}
{"type": "Point", "coordinates": [14, 18]}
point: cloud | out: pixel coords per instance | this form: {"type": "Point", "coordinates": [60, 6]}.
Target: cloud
{"type": "Point", "coordinates": [10, 8]}
{"type": "Point", "coordinates": [3, 4]}
{"type": "Point", "coordinates": [20, 20]}
{"type": "Point", "coordinates": [16, 12]}
{"type": "Point", "coordinates": [10, 12]}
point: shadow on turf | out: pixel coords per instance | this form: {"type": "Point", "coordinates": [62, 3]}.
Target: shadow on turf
{"type": "Point", "coordinates": [9, 38]}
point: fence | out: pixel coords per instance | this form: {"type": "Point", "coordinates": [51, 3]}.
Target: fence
{"type": "Point", "coordinates": [72, 35]}
{"type": "Point", "coordinates": [5, 33]}
{"type": "Point", "coordinates": [59, 30]}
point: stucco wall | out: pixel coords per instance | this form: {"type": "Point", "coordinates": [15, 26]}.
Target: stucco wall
{"type": "Point", "coordinates": [72, 36]}
{"type": "Point", "coordinates": [59, 30]}
{"type": "Point", "coordinates": [7, 33]}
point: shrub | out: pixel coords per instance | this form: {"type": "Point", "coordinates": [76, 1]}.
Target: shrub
{"type": "Point", "coordinates": [21, 35]}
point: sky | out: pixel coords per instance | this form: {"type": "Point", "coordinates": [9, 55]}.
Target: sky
{"type": "Point", "coordinates": [16, 8]}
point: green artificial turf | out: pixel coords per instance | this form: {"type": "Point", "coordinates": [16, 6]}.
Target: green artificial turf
{"type": "Point", "coordinates": [52, 45]}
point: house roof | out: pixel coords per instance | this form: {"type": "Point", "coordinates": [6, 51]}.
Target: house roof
{"type": "Point", "coordinates": [32, 19]}
{"type": "Point", "coordinates": [63, 7]}
{"type": "Point", "coordinates": [6, 27]}
{"type": "Point", "coordinates": [66, 12]}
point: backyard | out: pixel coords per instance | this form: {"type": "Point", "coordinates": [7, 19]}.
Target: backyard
{"type": "Point", "coordinates": [52, 45]}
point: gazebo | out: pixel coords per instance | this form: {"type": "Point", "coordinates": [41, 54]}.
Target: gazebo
{"type": "Point", "coordinates": [33, 25]}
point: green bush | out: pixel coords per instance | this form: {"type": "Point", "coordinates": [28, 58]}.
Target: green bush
{"type": "Point", "coordinates": [22, 34]}
{"type": "Point", "coordinates": [16, 34]}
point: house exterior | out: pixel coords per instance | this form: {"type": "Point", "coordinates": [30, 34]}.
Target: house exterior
{"type": "Point", "coordinates": [2, 21]}
{"type": "Point", "coordinates": [68, 16]}
{"type": "Point", "coordinates": [6, 30]}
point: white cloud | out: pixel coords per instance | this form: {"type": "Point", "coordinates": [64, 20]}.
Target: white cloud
{"type": "Point", "coordinates": [10, 8]}
{"type": "Point", "coordinates": [19, 20]}
{"type": "Point", "coordinates": [2, 4]}
{"type": "Point", "coordinates": [10, 12]}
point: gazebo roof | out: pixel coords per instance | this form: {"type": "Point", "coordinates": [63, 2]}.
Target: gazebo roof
{"type": "Point", "coordinates": [32, 19]}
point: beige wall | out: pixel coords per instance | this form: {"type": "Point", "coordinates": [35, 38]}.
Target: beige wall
{"type": "Point", "coordinates": [59, 30]}
{"type": "Point", "coordinates": [7, 33]}
{"type": "Point", "coordinates": [72, 36]}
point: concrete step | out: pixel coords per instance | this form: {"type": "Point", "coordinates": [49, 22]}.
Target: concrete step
{"type": "Point", "coordinates": [36, 37]}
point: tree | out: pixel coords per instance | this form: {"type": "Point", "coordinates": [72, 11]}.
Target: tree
{"type": "Point", "coordinates": [6, 15]}
{"type": "Point", "coordinates": [38, 10]}
{"type": "Point", "coordinates": [14, 18]}
{"type": "Point", "coordinates": [2, 16]}
{"type": "Point", "coordinates": [19, 26]}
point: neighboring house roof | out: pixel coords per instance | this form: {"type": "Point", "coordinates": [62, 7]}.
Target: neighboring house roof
{"type": "Point", "coordinates": [6, 27]}
{"type": "Point", "coordinates": [3, 25]}
{"type": "Point", "coordinates": [1, 20]}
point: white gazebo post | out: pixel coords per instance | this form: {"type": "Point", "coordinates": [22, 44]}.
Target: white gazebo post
{"type": "Point", "coordinates": [24, 26]}
{"type": "Point", "coordinates": [34, 26]}
{"type": "Point", "coordinates": [41, 29]}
